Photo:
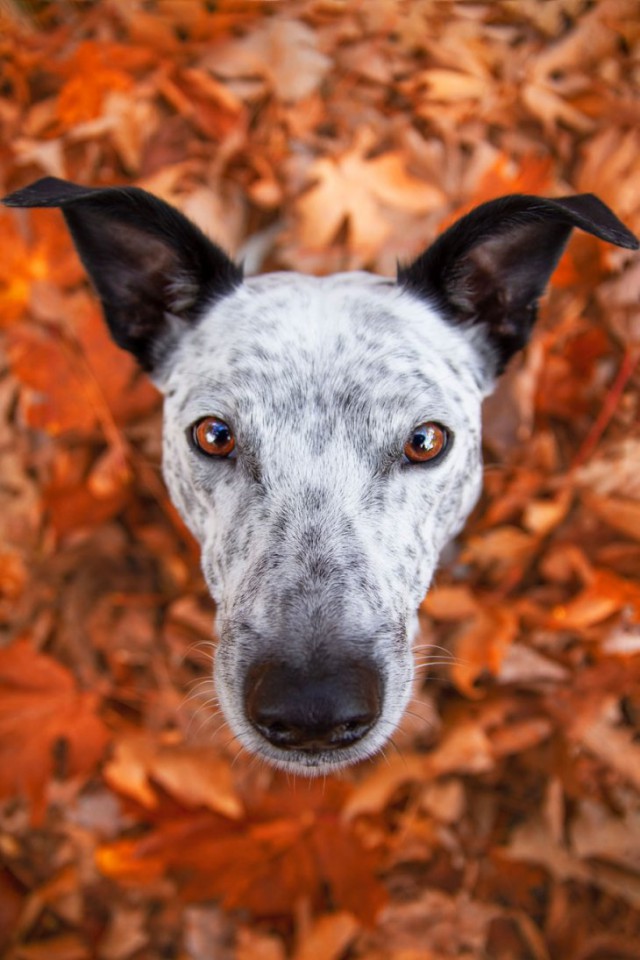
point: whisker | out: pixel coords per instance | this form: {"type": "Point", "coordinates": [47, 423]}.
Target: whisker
{"type": "Point", "coordinates": [432, 646]}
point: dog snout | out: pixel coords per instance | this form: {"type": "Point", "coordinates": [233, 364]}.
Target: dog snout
{"type": "Point", "coordinates": [313, 710]}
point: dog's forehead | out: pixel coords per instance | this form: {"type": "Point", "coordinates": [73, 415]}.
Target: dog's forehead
{"type": "Point", "coordinates": [284, 334]}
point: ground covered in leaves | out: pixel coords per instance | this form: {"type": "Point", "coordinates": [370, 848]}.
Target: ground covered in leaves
{"type": "Point", "coordinates": [319, 135]}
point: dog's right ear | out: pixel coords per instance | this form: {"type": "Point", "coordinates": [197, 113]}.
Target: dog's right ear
{"type": "Point", "coordinates": [153, 269]}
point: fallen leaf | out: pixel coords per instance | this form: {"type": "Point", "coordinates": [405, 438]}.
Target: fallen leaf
{"type": "Point", "coordinates": [480, 646]}
{"type": "Point", "coordinates": [329, 937]}
{"type": "Point", "coordinates": [309, 855]}
{"type": "Point", "coordinates": [465, 748]}
{"type": "Point", "coordinates": [355, 188]}
{"type": "Point", "coordinates": [532, 842]}
{"type": "Point", "coordinates": [45, 723]}
{"type": "Point", "coordinates": [193, 775]}
{"type": "Point", "coordinates": [605, 594]}
{"type": "Point", "coordinates": [604, 835]}
{"type": "Point", "coordinates": [620, 513]}
{"type": "Point", "coordinates": [284, 52]}
{"type": "Point", "coordinates": [615, 745]}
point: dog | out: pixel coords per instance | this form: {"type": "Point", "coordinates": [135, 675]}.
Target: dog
{"type": "Point", "coordinates": [321, 439]}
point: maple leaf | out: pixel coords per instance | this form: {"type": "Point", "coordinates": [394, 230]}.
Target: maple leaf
{"type": "Point", "coordinates": [45, 720]}
{"type": "Point", "coordinates": [284, 52]}
{"type": "Point", "coordinates": [311, 856]}
{"type": "Point", "coordinates": [356, 189]}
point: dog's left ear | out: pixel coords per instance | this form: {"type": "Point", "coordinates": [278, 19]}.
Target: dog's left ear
{"type": "Point", "coordinates": [492, 265]}
{"type": "Point", "coordinates": [153, 269]}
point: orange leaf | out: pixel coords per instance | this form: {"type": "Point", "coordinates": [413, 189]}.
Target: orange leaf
{"type": "Point", "coordinates": [328, 938]}
{"type": "Point", "coordinates": [44, 718]}
{"type": "Point", "coordinates": [480, 647]}
{"type": "Point", "coordinates": [193, 776]}
{"type": "Point", "coordinates": [78, 379]}
{"type": "Point", "coordinates": [49, 256]}
{"type": "Point", "coordinates": [311, 856]}
{"type": "Point", "coordinates": [95, 70]}
{"type": "Point", "coordinates": [603, 596]}
{"type": "Point", "coordinates": [56, 401]}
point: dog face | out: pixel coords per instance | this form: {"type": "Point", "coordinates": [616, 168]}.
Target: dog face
{"type": "Point", "coordinates": [320, 537]}
{"type": "Point", "coordinates": [321, 440]}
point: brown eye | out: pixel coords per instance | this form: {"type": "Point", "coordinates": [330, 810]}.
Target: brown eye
{"type": "Point", "coordinates": [427, 442]}
{"type": "Point", "coordinates": [213, 437]}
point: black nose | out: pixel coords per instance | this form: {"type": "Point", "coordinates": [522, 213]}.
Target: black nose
{"type": "Point", "coordinates": [313, 710]}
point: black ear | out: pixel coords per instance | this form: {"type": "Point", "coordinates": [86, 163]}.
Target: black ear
{"type": "Point", "coordinates": [492, 266]}
{"type": "Point", "coordinates": [153, 269]}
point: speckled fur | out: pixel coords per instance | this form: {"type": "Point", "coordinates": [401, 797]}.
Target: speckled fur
{"type": "Point", "coordinates": [320, 534]}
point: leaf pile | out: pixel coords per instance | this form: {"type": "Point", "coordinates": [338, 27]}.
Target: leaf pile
{"type": "Point", "coordinates": [320, 135]}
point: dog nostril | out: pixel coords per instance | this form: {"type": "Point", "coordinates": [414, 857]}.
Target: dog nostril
{"type": "Point", "coordinates": [303, 710]}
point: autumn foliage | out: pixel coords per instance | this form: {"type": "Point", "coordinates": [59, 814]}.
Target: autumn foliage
{"type": "Point", "coordinates": [319, 135]}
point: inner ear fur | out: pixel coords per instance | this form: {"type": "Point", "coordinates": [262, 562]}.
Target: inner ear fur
{"type": "Point", "coordinates": [492, 266]}
{"type": "Point", "coordinates": [153, 269]}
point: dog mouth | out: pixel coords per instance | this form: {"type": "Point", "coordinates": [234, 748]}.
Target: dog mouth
{"type": "Point", "coordinates": [313, 761]}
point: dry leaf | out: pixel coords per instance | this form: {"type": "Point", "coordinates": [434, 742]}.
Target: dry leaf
{"type": "Point", "coordinates": [480, 647]}
{"type": "Point", "coordinates": [192, 775]}
{"type": "Point", "coordinates": [320, 137]}
{"type": "Point", "coordinates": [47, 725]}
{"type": "Point", "coordinates": [621, 514]}
{"type": "Point", "coordinates": [283, 52]}
{"type": "Point", "coordinates": [354, 188]}
{"type": "Point", "coordinates": [329, 937]}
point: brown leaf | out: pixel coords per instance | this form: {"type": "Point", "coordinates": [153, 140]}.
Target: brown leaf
{"type": "Point", "coordinates": [372, 794]}
{"type": "Point", "coordinates": [254, 945]}
{"type": "Point", "coordinates": [532, 842]}
{"type": "Point", "coordinates": [66, 946]}
{"type": "Point", "coordinates": [597, 832]}
{"type": "Point", "coordinates": [620, 513]}
{"type": "Point", "coordinates": [602, 734]}
{"type": "Point", "coordinates": [450, 602]}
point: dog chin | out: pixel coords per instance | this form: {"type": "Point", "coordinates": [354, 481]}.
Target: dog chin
{"type": "Point", "coordinates": [313, 764]}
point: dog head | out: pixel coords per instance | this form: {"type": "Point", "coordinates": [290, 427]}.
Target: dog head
{"type": "Point", "coordinates": [321, 439]}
